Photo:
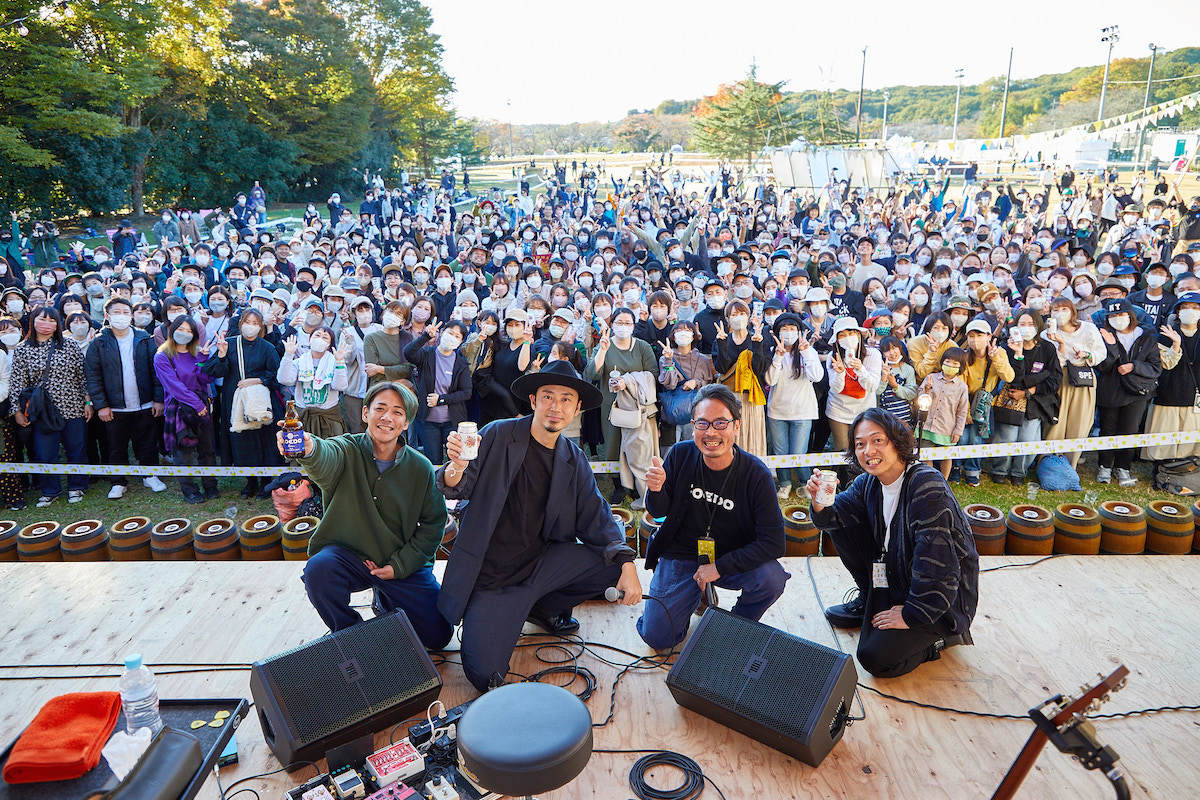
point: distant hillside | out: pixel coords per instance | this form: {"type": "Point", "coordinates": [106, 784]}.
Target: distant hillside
{"type": "Point", "coordinates": [926, 112]}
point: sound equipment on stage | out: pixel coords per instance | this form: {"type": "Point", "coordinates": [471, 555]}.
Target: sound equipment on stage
{"type": "Point", "coordinates": [786, 692]}
{"type": "Point", "coordinates": [1060, 721]}
{"type": "Point", "coordinates": [344, 686]}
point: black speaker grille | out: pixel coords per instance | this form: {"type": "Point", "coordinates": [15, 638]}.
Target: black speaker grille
{"type": "Point", "coordinates": [331, 683]}
{"type": "Point", "coordinates": [725, 667]}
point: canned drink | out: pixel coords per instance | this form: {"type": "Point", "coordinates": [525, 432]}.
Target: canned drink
{"type": "Point", "coordinates": [828, 486]}
{"type": "Point", "coordinates": [468, 434]}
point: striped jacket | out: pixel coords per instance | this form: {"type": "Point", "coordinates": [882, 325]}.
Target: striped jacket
{"type": "Point", "coordinates": [932, 564]}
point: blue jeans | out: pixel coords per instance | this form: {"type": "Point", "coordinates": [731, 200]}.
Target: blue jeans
{"type": "Point", "coordinates": [1015, 466]}
{"type": "Point", "coordinates": [676, 589]}
{"type": "Point", "coordinates": [433, 439]}
{"type": "Point", "coordinates": [333, 572]}
{"type": "Point", "coordinates": [73, 438]}
{"type": "Point", "coordinates": [970, 435]}
{"type": "Point", "coordinates": [789, 437]}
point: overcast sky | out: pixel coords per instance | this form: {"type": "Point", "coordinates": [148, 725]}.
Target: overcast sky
{"type": "Point", "coordinates": [570, 61]}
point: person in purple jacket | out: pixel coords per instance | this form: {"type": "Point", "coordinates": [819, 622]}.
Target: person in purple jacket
{"type": "Point", "coordinates": [187, 424]}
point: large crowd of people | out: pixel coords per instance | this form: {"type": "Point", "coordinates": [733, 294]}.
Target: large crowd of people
{"type": "Point", "coordinates": [1042, 309]}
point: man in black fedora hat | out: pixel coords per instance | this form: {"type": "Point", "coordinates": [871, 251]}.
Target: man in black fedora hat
{"type": "Point", "coordinates": [536, 536]}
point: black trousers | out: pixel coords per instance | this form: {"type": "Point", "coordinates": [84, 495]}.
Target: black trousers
{"type": "Point", "coordinates": [136, 428]}
{"type": "Point", "coordinates": [567, 574]}
{"type": "Point", "coordinates": [1115, 422]}
{"type": "Point", "coordinates": [890, 652]}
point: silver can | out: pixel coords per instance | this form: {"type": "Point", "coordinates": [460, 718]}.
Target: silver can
{"type": "Point", "coordinates": [468, 434]}
{"type": "Point", "coordinates": [828, 487]}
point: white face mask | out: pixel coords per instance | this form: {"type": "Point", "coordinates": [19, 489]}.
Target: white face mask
{"type": "Point", "coordinates": [738, 322]}
{"type": "Point", "coordinates": [1189, 316]}
{"type": "Point", "coordinates": [1062, 316]}
{"type": "Point", "coordinates": [1119, 322]}
{"type": "Point", "coordinates": [11, 338]}
{"type": "Point", "coordinates": [193, 297]}
{"type": "Point", "coordinates": [391, 320]}
{"type": "Point", "coordinates": [487, 330]}
{"type": "Point", "coordinates": [120, 322]}
{"type": "Point", "coordinates": [448, 342]}
{"type": "Point", "coordinates": [318, 345]}
{"type": "Point", "coordinates": [1028, 332]}
{"type": "Point", "coordinates": [938, 334]}
{"type": "Point", "coordinates": [1155, 281]}
{"type": "Point", "coordinates": [817, 310]}
{"type": "Point", "coordinates": [78, 329]}
{"type": "Point", "coordinates": [848, 343]}
{"type": "Point", "coordinates": [789, 337]}
{"type": "Point", "coordinates": [684, 338]}
{"type": "Point", "coordinates": [622, 332]}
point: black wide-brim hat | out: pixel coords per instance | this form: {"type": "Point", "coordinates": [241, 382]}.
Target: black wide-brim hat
{"type": "Point", "coordinates": [559, 373]}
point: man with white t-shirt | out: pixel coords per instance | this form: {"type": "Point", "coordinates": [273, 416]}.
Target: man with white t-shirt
{"type": "Point", "coordinates": [908, 545]}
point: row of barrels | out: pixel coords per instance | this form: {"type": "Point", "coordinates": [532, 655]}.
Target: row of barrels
{"type": "Point", "coordinates": [260, 538]}
{"type": "Point", "coordinates": [1119, 527]}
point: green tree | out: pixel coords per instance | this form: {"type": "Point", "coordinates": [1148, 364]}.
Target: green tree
{"type": "Point", "coordinates": [741, 118]}
{"type": "Point", "coordinates": [640, 133]}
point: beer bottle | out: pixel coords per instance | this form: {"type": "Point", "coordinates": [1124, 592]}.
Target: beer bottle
{"type": "Point", "coordinates": [293, 433]}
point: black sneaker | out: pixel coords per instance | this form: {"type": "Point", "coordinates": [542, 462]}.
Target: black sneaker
{"type": "Point", "coordinates": [618, 495]}
{"type": "Point", "coordinates": [560, 625]}
{"type": "Point", "coordinates": [850, 613]}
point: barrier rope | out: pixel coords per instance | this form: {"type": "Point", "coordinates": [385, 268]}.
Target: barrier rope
{"type": "Point", "coordinates": [955, 452]}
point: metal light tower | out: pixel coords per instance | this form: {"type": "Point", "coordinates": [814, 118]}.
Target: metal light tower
{"type": "Point", "coordinates": [858, 114]}
{"type": "Point", "coordinates": [1004, 106]}
{"type": "Point", "coordinates": [958, 76]}
{"type": "Point", "coordinates": [1146, 103]}
{"type": "Point", "coordinates": [1111, 35]}
{"type": "Point", "coordinates": [886, 96]}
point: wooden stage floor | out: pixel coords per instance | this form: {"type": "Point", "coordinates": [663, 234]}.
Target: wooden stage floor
{"type": "Point", "coordinates": [1039, 631]}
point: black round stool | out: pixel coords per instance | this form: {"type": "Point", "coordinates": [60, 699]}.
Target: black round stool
{"type": "Point", "coordinates": [524, 738]}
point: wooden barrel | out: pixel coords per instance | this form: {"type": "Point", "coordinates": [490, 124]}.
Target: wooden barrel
{"type": "Point", "coordinates": [1122, 528]}
{"type": "Point", "coordinates": [449, 535]}
{"type": "Point", "coordinates": [129, 539]}
{"type": "Point", "coordinates": [262, 538]}
{"type": "Point", "coordinates": [172, 540]}
{"type": "Point", "coordinates": [1076, 530]}
{"type": "Point", "coordinates": [8, 540]}
{"type": "Point", "coordinates": [298, 531]}
{"type": "Point", "coordinates": [1030, 531]}
{"type": "Point", "coordinates": [647, 527]}
{"type": "Point", "coordinates": [1196, 517]}
{"type": "Point", "coordinates": [828, 548]}
{"type": "Point", "coordinates": [86, 540]}
{"type": "Point", "coordinates": [624, 520]}
{"type": "Point", "coordinates": [801, 537]}
{"type": "Point", "coordinates": [217, 540]}
{"type": "Point", "coordinates": [39, 542]}
{"type": "Point", "coordinates": [1170, 528]}
{"type": "Point", "coordinates": [987, 524]}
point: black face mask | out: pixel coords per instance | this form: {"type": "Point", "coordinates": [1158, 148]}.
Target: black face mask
{"type": "Point", "coordinates": [304, 286]}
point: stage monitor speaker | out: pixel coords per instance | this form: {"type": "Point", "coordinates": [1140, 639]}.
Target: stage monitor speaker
{"type": "Point", "coordinates": [786, 692]}
{"type": "Point", "coordinates": [342, 686]}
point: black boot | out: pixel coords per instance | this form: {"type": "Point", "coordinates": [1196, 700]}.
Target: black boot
{"type": "Point", "coordinates": [850, 613]}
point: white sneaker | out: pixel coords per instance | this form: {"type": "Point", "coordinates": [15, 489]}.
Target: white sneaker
{"type": "Point", "coordinates": [1103, 475]}
{"type": "Point", "coordinates": [74, 496]}
{"type": "Point", "coordinates": [117, 491]}
{"type": "Point", "coordinates": [785, 491]}
{"type": "Point", "coordinates": [154, 484]}
{"type": "Point", "coordinates": [1124, 479]}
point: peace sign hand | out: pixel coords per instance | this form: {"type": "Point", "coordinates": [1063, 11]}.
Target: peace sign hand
{"type": "Point", "coordinates": [222, 345]}
{"type": "Point", "coordinates": [667, 352]}
{"type": "Point", "coordinates": [721, 334]}
{"type": "Point", "coordinates": [803, 343]}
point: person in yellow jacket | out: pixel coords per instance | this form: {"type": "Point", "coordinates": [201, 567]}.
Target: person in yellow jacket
{"type": "Point", "coordinates": [987, 365]}
{"type": "Point", "coordinates": [926, 350]}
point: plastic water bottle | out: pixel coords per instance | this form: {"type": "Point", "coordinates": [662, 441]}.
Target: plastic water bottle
{"type": "Point", "coordinates": [139, 696]}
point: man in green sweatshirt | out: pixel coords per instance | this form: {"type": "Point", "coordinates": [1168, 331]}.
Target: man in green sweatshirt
{"type": "Point", "coordinates": [384, 519]}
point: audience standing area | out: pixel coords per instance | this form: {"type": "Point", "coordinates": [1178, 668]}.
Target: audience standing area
{"type": "Point", "coordinates": [1041, 630]}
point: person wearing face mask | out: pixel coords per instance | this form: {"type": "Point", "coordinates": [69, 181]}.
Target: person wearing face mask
{"type": "Point", "coordinates": [633, 361]}
{"type": "Point", "coordinates": [1127, 379]}
{"type": "Point", "coordinates": [926, 350]}
{"type": "Point", "coordinates": [188, 434]}
{"type": "Point", "coordinates": [1032, 396]}
{"type": "Point", "coordinates": [318, 376]}
{"type": "Point", "coordinates": [443, 384]}
{"type": "Point", "coordinates": [681, 366]}
{"type": "Point", "coordinates": [80, 331]}
{"type": "Point", "coordinates": [383, 347]}
{"type": "Point", "coordinates": [1175, 400]}
{"type": "Point", "coordinates": [124, 390]}
{"type": "Point", "coordinates": [854, 374]}
{"type": "Point", "coordinates": [45, 358]}
{"type": "Point", "coordinates": [792, 404]}
{"type": "Point", "coordinates": [443, 295]}
{"type": "Point", "coordinates": [242, 360]}
{"type": "Point", "coordinates": [12, 494]}
{"type": "Point", "coordinates": [987, 366]}
{"type": "Point", "coordinates": [742, 354]}
{"type": "Point", "coordinates": [1080, 349]}
{"type": "Point", "coordinates": [843, 301]}
{"type": "Point", "coordinates": [947, 415]}
{"type": "Point", "coordinates": [1083, 287]}
{"type": "Point", "coordinates": [1156, 299]}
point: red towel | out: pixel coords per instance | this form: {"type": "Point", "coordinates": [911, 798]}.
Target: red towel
{"type": "Point", "coordinates": [65, 738]}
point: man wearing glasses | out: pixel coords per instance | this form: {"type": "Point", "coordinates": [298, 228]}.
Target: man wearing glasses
{"type": "Point", "coordinates": [714, 498]}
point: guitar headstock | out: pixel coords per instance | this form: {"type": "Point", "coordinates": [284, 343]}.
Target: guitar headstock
{"type": "Point", "coordinates": [1091, 697]}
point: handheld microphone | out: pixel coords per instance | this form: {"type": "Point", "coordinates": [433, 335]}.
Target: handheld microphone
{"type": "Point", "coordinates": [612, 594]}
{"type": "Point", "coordinates": [707, 552]}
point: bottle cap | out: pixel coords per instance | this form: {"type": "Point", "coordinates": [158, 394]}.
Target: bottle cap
{"type": "Point", "coordinates": [133, 661]}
